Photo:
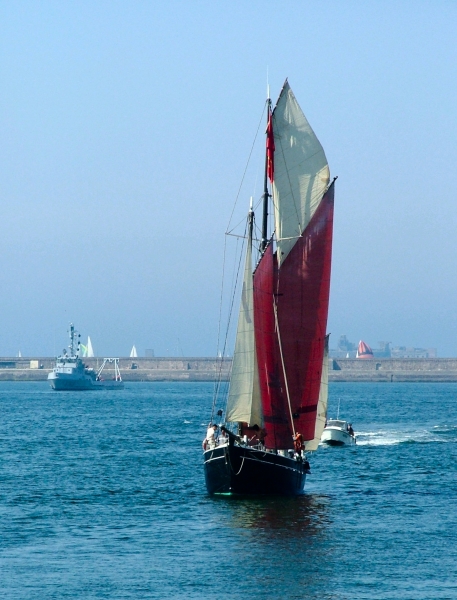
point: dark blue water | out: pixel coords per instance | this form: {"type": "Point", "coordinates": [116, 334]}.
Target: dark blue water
{"type": "Point", "coordinates": [102, 496]}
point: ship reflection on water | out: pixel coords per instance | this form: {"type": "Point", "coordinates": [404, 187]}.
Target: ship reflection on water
{"type": "Point", "coordinates": [296, 516]}
{"type": "Point", "coordinates": [285, 541]}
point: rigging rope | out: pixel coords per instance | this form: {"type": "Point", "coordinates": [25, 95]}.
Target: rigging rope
{"type": "Point", "coordinates": [235, 280]}
{"type": "Point", "coordinates": [283, 366]}
{"type": "Point", "coordinates": [231, 468]}
{"type": "Point", "coordinates": [275, 308]}
{"type": "Point", "coordinates": [218, 378]}
{"type": "Point", "coordinates": [246, 167]}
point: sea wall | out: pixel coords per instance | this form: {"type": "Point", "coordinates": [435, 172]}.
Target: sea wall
{"type": "Point", "coordinates": [132, 369]}
{"type": "Point", "coordinates": [206, 369]}
{"type": "Point", "coordinates": [393, 369]}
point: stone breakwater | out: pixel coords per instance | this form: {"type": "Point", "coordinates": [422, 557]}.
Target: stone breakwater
{"type": "Point", "coordinates": [132, 369]}
{"type": "Point", "coordinates": [206, 369]}
{"type": "Point", "coordinates": [393, 369]}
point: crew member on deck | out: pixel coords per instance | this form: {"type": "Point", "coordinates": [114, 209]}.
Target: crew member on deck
{"type": "Point", "coordinates": [255, 434]}
{"type": "Point", "coordinates": [210, 436]}
{"type": "Point", "coordinates": [298, 443]}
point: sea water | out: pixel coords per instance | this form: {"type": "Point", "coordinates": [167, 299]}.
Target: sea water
{"type": "Point", "coordinates": [102, 495]}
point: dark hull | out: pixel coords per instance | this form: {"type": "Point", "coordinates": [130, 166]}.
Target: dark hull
{"type": "Point", "coordinates": [333, 443]}
{"type": "Point", "coordinates": [236, 469]}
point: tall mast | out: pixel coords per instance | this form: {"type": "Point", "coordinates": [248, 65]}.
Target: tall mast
{"type": "Point", "coordinates": [251, 220]}
{"type": "Point", "coordinates": [72, 339]}
{"type": "Point", "coordinates": [266, 195]}
{"type": "Point", "coordinates": [74, 342]}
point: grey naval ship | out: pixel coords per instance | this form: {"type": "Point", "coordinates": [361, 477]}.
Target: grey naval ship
{"type": "Point", "coordinates": [70, 372]}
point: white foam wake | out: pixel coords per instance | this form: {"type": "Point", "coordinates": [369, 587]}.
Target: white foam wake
{"type": "Point", "coordinates": [389, 437]}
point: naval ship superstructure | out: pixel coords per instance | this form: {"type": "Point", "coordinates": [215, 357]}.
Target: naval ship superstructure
{"type": "Point", "coordinates": [70, 372]}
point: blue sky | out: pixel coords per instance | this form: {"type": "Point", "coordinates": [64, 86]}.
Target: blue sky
{"type": "Point", "coordinates": [126, 127]}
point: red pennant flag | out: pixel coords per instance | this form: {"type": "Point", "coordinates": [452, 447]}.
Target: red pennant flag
{"type": "Point", "coordinates": [270, 147]}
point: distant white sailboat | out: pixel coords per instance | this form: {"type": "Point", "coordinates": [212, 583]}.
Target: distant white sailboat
{"type": "Point", "coordinates": [133, 353]}
{"type": "Point", "coordinates": [87, 351]}
{"type": "Point", "coordinates": [90, 350]}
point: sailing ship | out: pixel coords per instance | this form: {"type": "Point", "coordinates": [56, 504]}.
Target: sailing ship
{"type": "Point", "coordinates": [70, 372]}
{"type": "Point", "coordinates": [277, 399]}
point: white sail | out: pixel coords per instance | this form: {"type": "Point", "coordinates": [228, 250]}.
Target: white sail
{"type": "Point", "coordinates": [244, 403]}
{"type": "Point", "coordinates": [301, 172]}
{"type": "Point", "coordinates": [133, 352]}
{"type": "Point", "coordinates": [90, 350]}
{"type": "Point", "coordinates": [321, 416]}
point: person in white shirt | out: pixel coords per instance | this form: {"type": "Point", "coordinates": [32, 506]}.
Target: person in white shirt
{"type": "Point", "coordinates": [210, 436]}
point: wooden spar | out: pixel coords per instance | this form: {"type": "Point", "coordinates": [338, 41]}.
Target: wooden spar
{"type": "Point", "coordinates": [266, 195]}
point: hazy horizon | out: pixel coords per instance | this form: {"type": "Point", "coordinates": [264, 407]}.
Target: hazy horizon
{"type": "Point", "coordinates": [126, 128]}
{"type": "Point", "coordinates": [175, 352]}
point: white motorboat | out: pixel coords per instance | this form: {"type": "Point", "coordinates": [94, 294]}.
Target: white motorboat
{"type": "Point", "coordinates": [338, 433]}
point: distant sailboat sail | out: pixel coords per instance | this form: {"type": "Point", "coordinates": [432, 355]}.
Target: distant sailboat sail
{"type": "Point", "coordinates": [364, 350]}
{"type": "Point", "coordinates": [90, 350]}
{"type": "Point", "coordinates": [133, 353]}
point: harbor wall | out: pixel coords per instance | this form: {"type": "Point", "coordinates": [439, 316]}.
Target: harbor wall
{"type": "Point", "coordinates": [393, 369]}
{"type": "Point", "coordinates": [206, 369]}
{"type": "Point", "coordinates": [132, 369]}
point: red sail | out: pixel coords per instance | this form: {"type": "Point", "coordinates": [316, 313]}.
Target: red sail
{"type": "Point", "coordinates": [301, 287]}
{"type": "Point", "coordinates": [274, 403]}
{"type": "Point", "coordinates": [303, 298]}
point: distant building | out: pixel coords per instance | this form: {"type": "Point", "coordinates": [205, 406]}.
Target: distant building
{"type": "Point", "coordinates": [344, 345]}
{"type": "Point", "coordinates": [347, 349]}
{"type": "Point", "coordinates": [408, 352]}
{"type": "Point", "coordinates": [383, 351]}
{"type": "Point", "coordinates": [149, 353]}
